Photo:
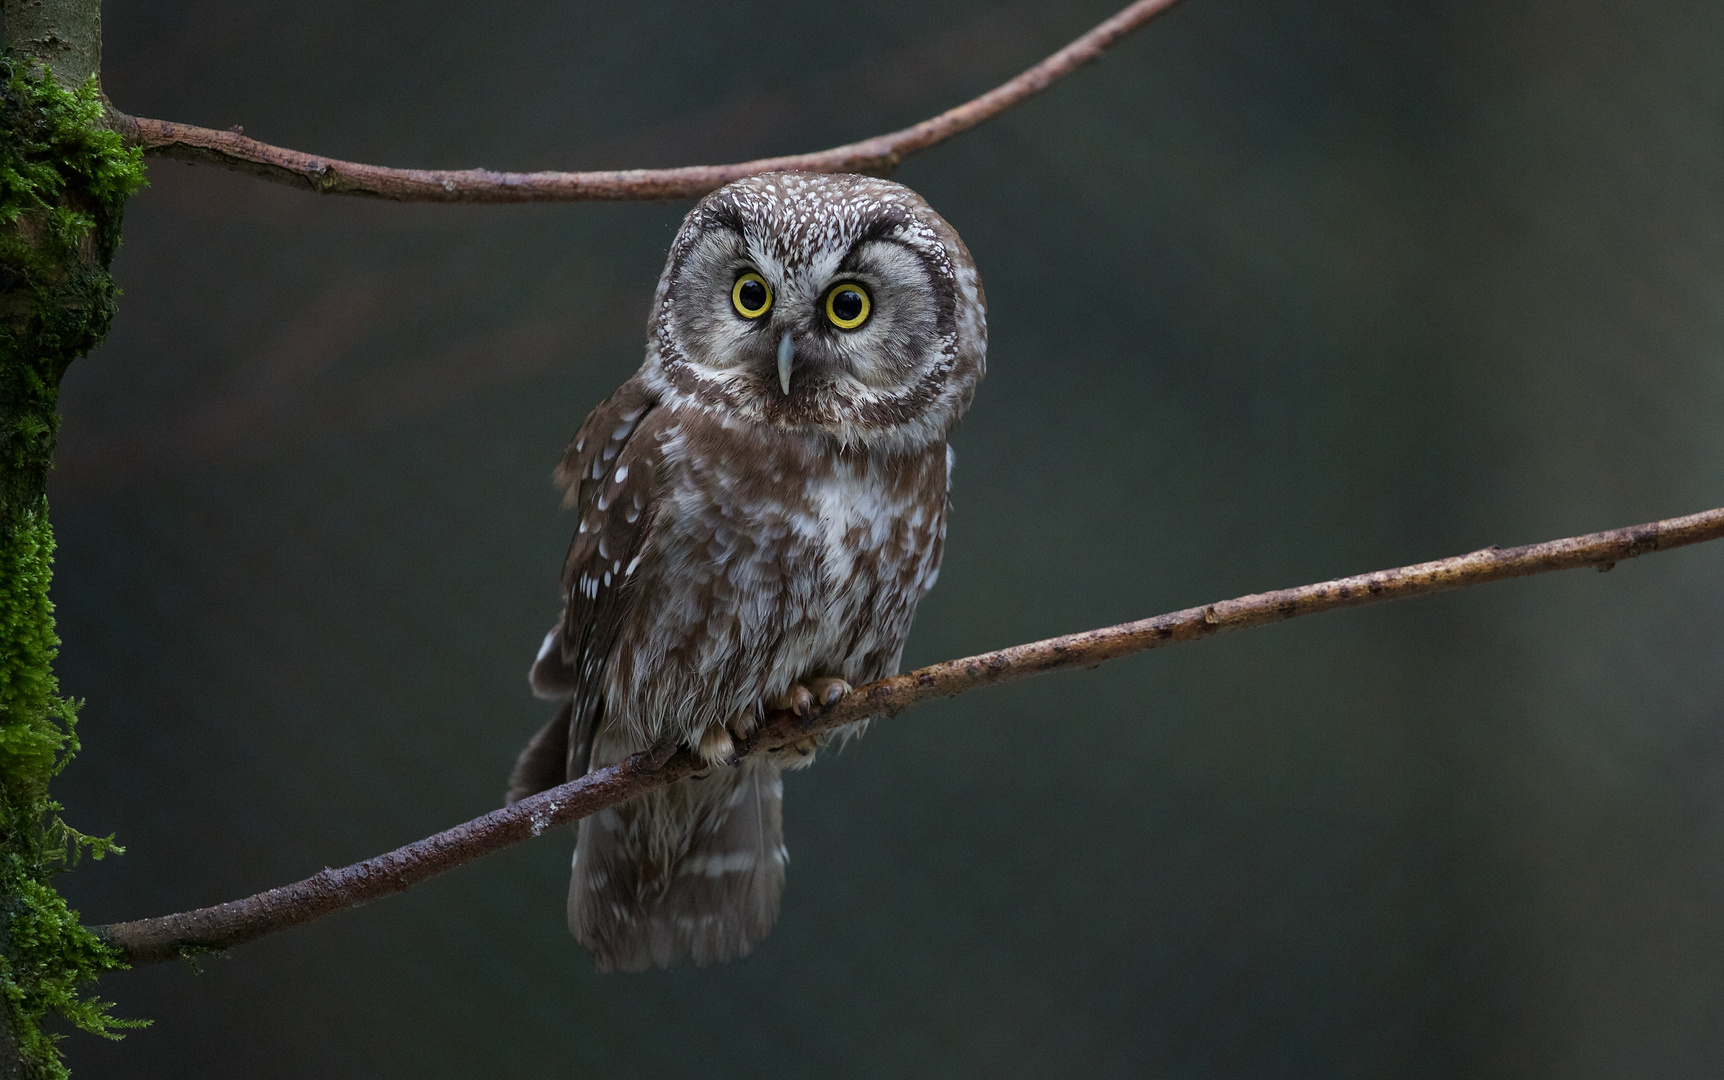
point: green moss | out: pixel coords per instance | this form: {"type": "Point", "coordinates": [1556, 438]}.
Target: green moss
{"type": "Point", "coordinates": [36, 724]}
{"type": "Point", "coordinates": [47, 954]}
{"type": "Point", "coordinates": [64, 180]}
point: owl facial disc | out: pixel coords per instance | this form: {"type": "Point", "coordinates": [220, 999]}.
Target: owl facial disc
{"type": "Point", "coordinates": [886, 318]}
{"type": "Point", "coordinates": [785, 351]}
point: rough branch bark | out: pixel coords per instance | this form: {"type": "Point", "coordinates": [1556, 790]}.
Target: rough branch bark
{"type": "Point", "coordinates": [877, 156]}
{"type": "Point", "coordinates": [239, 921]}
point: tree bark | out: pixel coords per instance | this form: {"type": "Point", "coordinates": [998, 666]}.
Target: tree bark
{"type": "Point", "coordinates": [64, 34]}
{"type": "Point", "coordinates": [68, 178]}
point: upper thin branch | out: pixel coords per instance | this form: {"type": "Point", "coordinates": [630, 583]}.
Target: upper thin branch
{"type": "Point", "coordinates": [325, 893]}
{"type": "Point", "coordinates": [877, 156]}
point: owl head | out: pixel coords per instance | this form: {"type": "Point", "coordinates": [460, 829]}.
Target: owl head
{"type": "Point", "coordinates": [841, 306]}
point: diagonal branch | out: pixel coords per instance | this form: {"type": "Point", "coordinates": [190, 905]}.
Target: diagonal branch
{"type": "Point", "coordinates": [239, 921]}
{"type": "Point", "coordinates": [877, 156]}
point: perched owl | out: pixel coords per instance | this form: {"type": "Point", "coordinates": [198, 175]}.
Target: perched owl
{"type": "Point", "coordinates": [761, 508]}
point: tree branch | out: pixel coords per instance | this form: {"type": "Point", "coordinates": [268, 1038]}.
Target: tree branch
{"type": "Point", "coordinates": [877, 156]}
{"type": "Point", "coordinates": [239, 921]}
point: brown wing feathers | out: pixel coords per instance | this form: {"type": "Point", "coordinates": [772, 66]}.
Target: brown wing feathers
{"type": "Point", "coordinates": [609, 482]}
{"type": "Point", "coordinates": [609, 477]}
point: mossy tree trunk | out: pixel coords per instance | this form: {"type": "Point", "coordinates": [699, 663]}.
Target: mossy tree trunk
{"type": "Point", "coordinates": [64, 180]}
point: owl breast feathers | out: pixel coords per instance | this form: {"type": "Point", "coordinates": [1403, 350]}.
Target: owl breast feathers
{"type": "Point", "coordinates": [760, 507]}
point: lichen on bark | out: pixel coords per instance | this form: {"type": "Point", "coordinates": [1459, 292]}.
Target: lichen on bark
{"type": "Point", "coordinates": [64, 181]}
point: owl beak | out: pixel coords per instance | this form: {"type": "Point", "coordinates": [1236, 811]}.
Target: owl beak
{"type": "Point", "coordinates": [785, 351]}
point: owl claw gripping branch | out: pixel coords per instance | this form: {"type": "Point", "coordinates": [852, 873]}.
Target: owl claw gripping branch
{"type": "Point", "coordinates": [761, 507]}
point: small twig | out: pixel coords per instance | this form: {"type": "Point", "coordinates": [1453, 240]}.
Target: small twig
{"type": "Point", "coordinates": [877, 156]}
{"type": "Point", "coordinates": [239, 921]}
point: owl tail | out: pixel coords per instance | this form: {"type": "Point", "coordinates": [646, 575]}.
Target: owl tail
{"type": "Point", "coordinates": [689, 872]}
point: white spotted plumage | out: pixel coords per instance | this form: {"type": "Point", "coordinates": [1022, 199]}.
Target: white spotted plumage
{"type": "Point", "coordinates": [775, 485]}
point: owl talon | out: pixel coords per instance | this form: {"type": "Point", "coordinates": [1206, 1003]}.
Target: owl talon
{"type": "Point", "coordinates": [827, 691]}
{"type": "Point", "coordinates": [716, 747]}
{"type": "Point", "coordinates": [800, 753]}
{"type": "Point", "coordinates": [798, 700]}
{"type": "Point", "coordinates": [802, 698]}
{"type": "Point", "coordinates": [744, 724]}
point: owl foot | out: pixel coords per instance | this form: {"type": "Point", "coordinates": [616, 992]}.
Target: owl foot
{"type": "Point", "coordinates": [717, 744]}
{"type": "Point", "coordinates": [799, 754]}
{"type": "Point", "coordinates": [744, 724]}
{"type": "Point", "coordinates": [802, 698]}
{"type": "Point", "coordinates": [716, 747]}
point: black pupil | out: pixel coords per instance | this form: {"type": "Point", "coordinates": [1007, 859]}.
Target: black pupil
{"type": "Point", "coordinates": [753, 295]}
{"type": "Point", "coordinates": [847, 305]}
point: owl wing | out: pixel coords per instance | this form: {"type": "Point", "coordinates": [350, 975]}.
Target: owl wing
{"type": "Point", "coordinates": [609, 475]}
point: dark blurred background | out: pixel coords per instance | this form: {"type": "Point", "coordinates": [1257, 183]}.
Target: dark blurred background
{"type": "Point", "coordinates": [1279, 291]}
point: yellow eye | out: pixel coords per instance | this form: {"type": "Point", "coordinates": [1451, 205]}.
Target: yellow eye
{"type": "Point", "coordinates": [848, 305]}
{"type": "Point", "coordinates": [751, 295]}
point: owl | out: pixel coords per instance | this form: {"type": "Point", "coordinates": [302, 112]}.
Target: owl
{"type": "Point", "coordinates": [761, 507]}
